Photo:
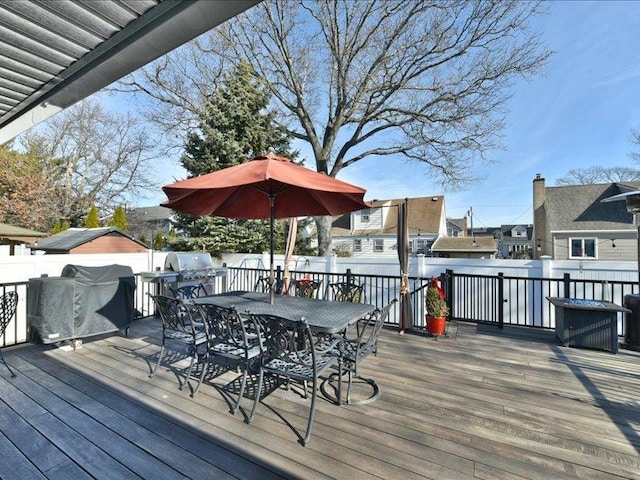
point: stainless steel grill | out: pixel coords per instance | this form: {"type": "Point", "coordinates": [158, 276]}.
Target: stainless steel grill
{"type": "Point", "coordinates": [192, 268]}
{"type": "Point", "coordinates": [185, 268]}
{"type": "Point", "coordinates": [190, 265]}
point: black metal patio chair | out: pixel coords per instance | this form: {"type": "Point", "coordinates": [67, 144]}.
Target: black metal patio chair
{"type": "Point", "coordinates": [189, 291]}
{"type": "Point", "coordinates": [289, 352]}
{"type": "Point", "coordinates": [304, 287]}
{"type": "Point", "coordinates": [262, 285]}
{"type": "Point", "coordinates": [180, 332]}
{"type": "Point", "coordinates": [233, 340]}
{"type": "Point", "coordinates": [347, 292]}
{"type": "Point", "coordinates": [8, 308]}
{"type": "Point", "coordinates": [353, 351]}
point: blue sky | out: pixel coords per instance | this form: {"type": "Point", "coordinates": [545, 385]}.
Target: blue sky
{"type": "Point", "coordinates": [578, 113]}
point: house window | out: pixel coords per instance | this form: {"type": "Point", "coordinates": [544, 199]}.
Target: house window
{"type": "Point", "coordinates": [378, 245]}
{"type": "Point", "coordinates": [420, 247]}
{"type": "Point", "coordinates": [583, 248]}
{"type": "Point", "coordinates": [357, 245]}
{"type": "Point", "coordinates": [364, 216]}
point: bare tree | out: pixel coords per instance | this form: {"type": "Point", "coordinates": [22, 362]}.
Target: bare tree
{"type": "Point", "coordinates": [599, 174]}
{"type": "Point", "coordinates": [90, 156]}
{"type": "Point", "coordinates": [634, 136]}
{"type": "Point", "coordinates": [420, 80]}
{"type": "Point", "coordinates": [173, 91]}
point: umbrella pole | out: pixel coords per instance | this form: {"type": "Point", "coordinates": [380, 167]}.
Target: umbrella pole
{"type": "Point", "coordinates": [272, 280]}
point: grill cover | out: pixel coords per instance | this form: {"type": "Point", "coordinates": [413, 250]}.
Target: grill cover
{"type": "Point", "coordinates": [84, 301]}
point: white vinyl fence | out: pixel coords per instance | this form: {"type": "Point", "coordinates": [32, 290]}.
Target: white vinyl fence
{"type": "Point", "coordinates": [18, 269]}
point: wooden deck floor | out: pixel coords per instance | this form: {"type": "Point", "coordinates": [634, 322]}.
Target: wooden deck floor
{"type": "Point", "coordinates": [482, 403]}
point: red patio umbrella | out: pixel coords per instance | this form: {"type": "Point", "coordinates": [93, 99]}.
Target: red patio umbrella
{"type": "Point", "coordinates": [264, 187]}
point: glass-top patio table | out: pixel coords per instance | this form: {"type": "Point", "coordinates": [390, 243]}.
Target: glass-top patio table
{"type": "Point", "coordinates": [322, 316]}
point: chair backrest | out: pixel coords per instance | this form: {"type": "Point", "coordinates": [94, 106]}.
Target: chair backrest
{"type": "Point", "coordinates": [173, 314]}
{"type": "Point", "coordinates": [306, 288]}
{"type": "Point", "coordinates": [262, 285]}
{"type": "Point", "coordinates": [288, 341]}
{"type": "Point", "coordinates": [8, 307]}
{"type": "Point", "coordinates": [347, 292]}
{"type": "Point", "coordinates": [369, 329]}
{"type": "Point", "coordinates": [189, 291]}
{"type": "Point", "coordinates": [225, 325]}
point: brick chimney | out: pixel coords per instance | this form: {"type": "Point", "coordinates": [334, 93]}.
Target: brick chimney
{"type": "Point", "coordinates": [539, 217]}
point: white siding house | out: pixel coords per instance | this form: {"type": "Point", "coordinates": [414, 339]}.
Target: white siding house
{"type": "Point", "coordinates": [373, 231]}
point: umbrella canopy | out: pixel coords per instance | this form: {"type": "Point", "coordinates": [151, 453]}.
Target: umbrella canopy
{"type": "Point", "coordinates": [406, 311]}
{"type": "Point", "coordinates": [243, 191]}
{"type": "Point", "coordinates": [265, 187]}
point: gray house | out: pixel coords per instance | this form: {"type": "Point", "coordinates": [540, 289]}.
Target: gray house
{"type": "Point", "coordinates": [572, 222]}
{"type": "Point", "coordinates": [148, 221]}
{"type": "Point", "coordinates": [516, 241]}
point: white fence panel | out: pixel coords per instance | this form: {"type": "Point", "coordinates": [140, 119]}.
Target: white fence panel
{"type": "Point", "coordinates": [20, 268]}
{"type": "Point", "coordinates": [528, 299]}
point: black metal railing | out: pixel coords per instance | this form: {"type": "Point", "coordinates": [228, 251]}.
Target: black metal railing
{"type": "Point", "coordinates": [378, 290]}
{"type": "Point", "coordinates": [492, 299]}
{"type": "Point", "coordinates": [506, 300]}
{"type": "Point", "coordinates": [16, 330]}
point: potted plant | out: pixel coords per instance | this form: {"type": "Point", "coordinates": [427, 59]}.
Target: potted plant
{"type": "Point", "coordinates": [436, 307]}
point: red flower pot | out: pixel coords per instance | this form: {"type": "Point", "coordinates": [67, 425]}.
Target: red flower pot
{"type": "Point", "coordinates": [436, 325]}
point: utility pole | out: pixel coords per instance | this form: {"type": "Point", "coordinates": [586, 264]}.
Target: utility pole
{"type": "Point", "coordinates": [470, 215]}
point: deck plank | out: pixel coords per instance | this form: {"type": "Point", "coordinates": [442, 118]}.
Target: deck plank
{"type": "Point", "coordinates": [482, 403]}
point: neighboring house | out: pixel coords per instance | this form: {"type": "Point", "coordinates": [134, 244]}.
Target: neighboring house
{"type": "Point", "coordinates": [572, 222]}
{"type": "Point", "coordinates": [493, 232]}
{"type": "Point", "coordinates": [374, 230]}
{"type": "Point", "coordinates": [457, 227]}
{"type": "Point", "coordinates": [516, 241]}
{"type": "Point", "coordinates": [90, 240]}
{"type": "Point", "coordinates": [12, 236]}
{"type": "Point", "coordinates": [465, 247]}
{"type": "Point", "coordinates": [148, 221]}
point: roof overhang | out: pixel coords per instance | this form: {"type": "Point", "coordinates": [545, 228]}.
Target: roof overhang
{"type": "Point", "coordinates": [631, 197]}
{"type": "Point", "coordinates": [54, 54]}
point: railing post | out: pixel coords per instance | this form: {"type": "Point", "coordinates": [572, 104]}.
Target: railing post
{"type": "Point", "coordinates": [349, 276]}
{"type": "Point", "coordinates": [224, 279]}
{"type": "Point", "coordinates": [420, 265]}
{"type": "Point", "coordinates": [566, 284]}
{"type": "Point", "coordinates": [332, 264]}
{"type": "Point", "coordinates": [501, 300]}
{"type": "Point", "coordinates": [448, 289]}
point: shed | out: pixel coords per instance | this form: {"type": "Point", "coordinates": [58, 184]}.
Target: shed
{"type": "Point", "coordinates": [12, 235]}
{"type": "Point", "coordinates": [465, 247]}
{"type": "Point", "coordinates": [90, 240]}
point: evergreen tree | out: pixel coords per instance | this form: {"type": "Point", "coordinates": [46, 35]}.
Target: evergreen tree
{"type": "Point", "coordinates": [65, 226]}
{"type": "Point", "coordinates": [158, 241]}
{"type": "Point", "coordinates": [92, 220]}
{"type": "Point", "coordinates": [56, 228]}
{"type": "Point", "coordinates": [119, 219]}
{"type": "Point", "coordinates": [234, 127]}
